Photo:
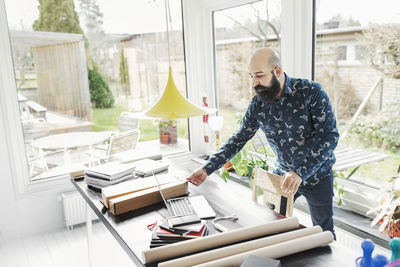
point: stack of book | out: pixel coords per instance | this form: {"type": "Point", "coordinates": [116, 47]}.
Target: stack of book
{"type": "Point", "coordinates": [164, 235]}
{"type": "Point", "coordinates": [108, 174]}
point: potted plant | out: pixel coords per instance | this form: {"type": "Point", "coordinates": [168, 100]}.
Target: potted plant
{"type": "Point", "coordinates": [244, 162]}
{"type": "Point", "coordinates": [168, 131]}
{"type": "Point", "coordinates": [389, 211]}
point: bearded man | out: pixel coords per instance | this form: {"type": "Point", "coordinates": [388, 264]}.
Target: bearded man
{"type": "Point", "coordinates": [297, 119]}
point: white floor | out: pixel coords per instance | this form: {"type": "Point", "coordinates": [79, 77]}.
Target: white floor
{"type": "Point", "coordinates": [66, 248]}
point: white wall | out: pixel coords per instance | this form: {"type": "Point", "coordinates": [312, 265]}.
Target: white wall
{"type": "Point", "coordinates": [26, 208]}
{"type": "Point", "coordinates": [26, 214]}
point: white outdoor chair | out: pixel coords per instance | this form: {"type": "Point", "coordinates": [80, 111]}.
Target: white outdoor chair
{"type": "Point", "coordinates": [117, 143]}
{"type": "Point", "coordinates": [127, 121]}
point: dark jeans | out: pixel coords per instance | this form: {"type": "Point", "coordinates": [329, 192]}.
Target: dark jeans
{"type": "Point", "coordinates": [319, 198]}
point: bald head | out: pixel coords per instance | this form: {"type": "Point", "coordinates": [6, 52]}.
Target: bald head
{"type": "Point", "coordinates": [265, 57]}
{"type": "Point", "coordinates": [266, 73]}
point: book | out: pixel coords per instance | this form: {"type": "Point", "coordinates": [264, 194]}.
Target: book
{"type": "Point", "coordinates": [158, 241]}
{"type": "Point", "coordinates": [95, 188]}
{"type": "Point", "coordinates": [130, 156]}
{"type": "Point", "coordinates": [165, 232]}
{"type": "Point", "coordinates": [147, 167]}
{"type": "Point", "coordinates": [110, 170]}
{"type": "Point", "coordinates": [196, 227]}
{"type": "Point", "coordinates": [104, 182]}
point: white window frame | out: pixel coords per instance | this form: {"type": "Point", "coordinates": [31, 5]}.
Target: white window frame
{"type": "Point", "coordinates": [10, 122]}
{"type": "Point", "coordinates": [296, 48]}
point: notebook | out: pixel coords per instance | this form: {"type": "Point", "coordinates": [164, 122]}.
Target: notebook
{"type": "Point", "coordinates": [105, 182]}
{"type": "Point", "coordinates": [165, 232]}
{"type": "Point", "coordinates": [110, 170]}
{"type": "Point", "coordinates": [147, 167]}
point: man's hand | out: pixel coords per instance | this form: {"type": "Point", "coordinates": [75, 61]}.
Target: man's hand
{"type": "Point", "coordinates": [291, 182]}
{"type": "Point", "coordinates": [197, 177]}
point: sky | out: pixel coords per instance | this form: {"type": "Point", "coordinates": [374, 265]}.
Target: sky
{"type": "Point", "coordinates": [140, 16]}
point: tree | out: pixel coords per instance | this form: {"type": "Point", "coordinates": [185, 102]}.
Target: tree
{"type": "Point", "coordinates": [57, 16]}
{"type": "Point", "coordinates": [92, 21]}
{"type": "Point", "coordinates": [261, 28]}
{"type": "Point", "coordinates": [382, 43]}
{"type": "Point", "coordinates": [100, 94]}
{"type": "Point", "coordinates": [60, 16]}
{"type": "Point", "coordinates": [124, 73]}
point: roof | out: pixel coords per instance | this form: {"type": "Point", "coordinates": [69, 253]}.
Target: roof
{"type": "Point", "coordinates": [36, 38]}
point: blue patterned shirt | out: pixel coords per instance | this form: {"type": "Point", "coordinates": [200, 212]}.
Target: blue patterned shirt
{"type": "Point", "coordinates": [300, 127]}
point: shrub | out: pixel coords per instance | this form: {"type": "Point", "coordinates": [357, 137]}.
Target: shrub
{"type": "Point", "coordinates": [100, 94]}
{"type": "Point", "coordinates": [381, 130]}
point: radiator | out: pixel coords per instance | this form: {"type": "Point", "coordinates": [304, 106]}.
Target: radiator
{"type": "Point", "coordinates": [74, 209]}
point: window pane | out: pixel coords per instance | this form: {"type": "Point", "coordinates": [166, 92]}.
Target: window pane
{"type": "Point", "coordinates": [357, 52]}
{"type": "Point", "coordinates": [239, 31]}
{"type": "Point", "coordinates": [78, 68]}
{"type": "Point", "coordinates": [349, 39]}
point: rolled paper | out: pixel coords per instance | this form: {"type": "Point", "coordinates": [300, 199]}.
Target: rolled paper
{"type": "Point", "coordinates": [275, 251]}
{"type": "Point", "coordinates": [220, 239]}
{"type": "Point", "coordinates": [239, 248]}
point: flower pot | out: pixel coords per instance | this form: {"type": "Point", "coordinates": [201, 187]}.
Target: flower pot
{"type": "Point", "coordinates": [228, 166]}
{"type": "Point", "coordinates": [164, 139]}
{"type": "Point", "coordinates": [168, 132]}
{"type": "Point", "coordinates": [393, 229]}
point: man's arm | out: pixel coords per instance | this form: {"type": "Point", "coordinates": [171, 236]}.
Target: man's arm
{"type": "Point", "coordinates": [325, 135]}
{"type": "Point", "coordinates": [234, 144]}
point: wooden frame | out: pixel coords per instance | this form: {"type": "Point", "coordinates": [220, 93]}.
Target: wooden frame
{"type": "Point", "coordinates": [271, 185]}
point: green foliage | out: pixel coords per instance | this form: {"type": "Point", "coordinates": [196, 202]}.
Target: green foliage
{"type": "Point", "coordinates": [57, 16]}
{"type": "Point", "coordinates": [382, 129]}
{"type": "Point", "coordinates": [225, 175]}
{"type": "Point", "coordinates": [100, 94]}
{"type": "Point", "coordinates": [244, 162]}
{"type": "Point", "coordinates": [239, 163]}
{"type": "Point", "coordinates": [339, 175]}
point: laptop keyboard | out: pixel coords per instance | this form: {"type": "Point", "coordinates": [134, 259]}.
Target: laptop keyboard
{"type": "Point", "coordinates": [181, 206]}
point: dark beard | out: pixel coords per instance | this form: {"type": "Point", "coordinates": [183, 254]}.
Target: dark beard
{"type": "Point", "coordinates": [268, 93]}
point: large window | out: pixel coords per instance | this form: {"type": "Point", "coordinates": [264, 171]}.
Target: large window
{"type": "Point", "coordinates": [79, 67]}
{"type": "Point", "coordinates": [239, 31]}
{"type": "Point", "coordinates": [357, 60]}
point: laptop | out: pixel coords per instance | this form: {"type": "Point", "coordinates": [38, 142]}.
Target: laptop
{"type": "Point", "coordinates": [186, 210]}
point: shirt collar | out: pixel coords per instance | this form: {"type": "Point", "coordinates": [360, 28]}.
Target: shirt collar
{"type": "Point", "coordinates": [288, 85]}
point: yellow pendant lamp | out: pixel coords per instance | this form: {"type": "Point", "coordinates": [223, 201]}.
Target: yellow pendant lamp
{"type": "Point", "coordinates": [173, 105]}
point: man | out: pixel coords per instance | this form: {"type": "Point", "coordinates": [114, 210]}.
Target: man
{"type": "Point", "coordinates": [297, 119]}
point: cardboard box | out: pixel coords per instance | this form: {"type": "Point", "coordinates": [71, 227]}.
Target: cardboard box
{"type": "Point", "coordinates": [146, 197]}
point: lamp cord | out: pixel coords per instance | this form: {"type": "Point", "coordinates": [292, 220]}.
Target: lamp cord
{"type": "Point", "coordinates": [166, 20]}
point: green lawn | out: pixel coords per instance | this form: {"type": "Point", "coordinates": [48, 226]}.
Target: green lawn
{"type": "Point", "coordinates": [381, 170]}
{"type": "Point", "coordinates": [107, 118]}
